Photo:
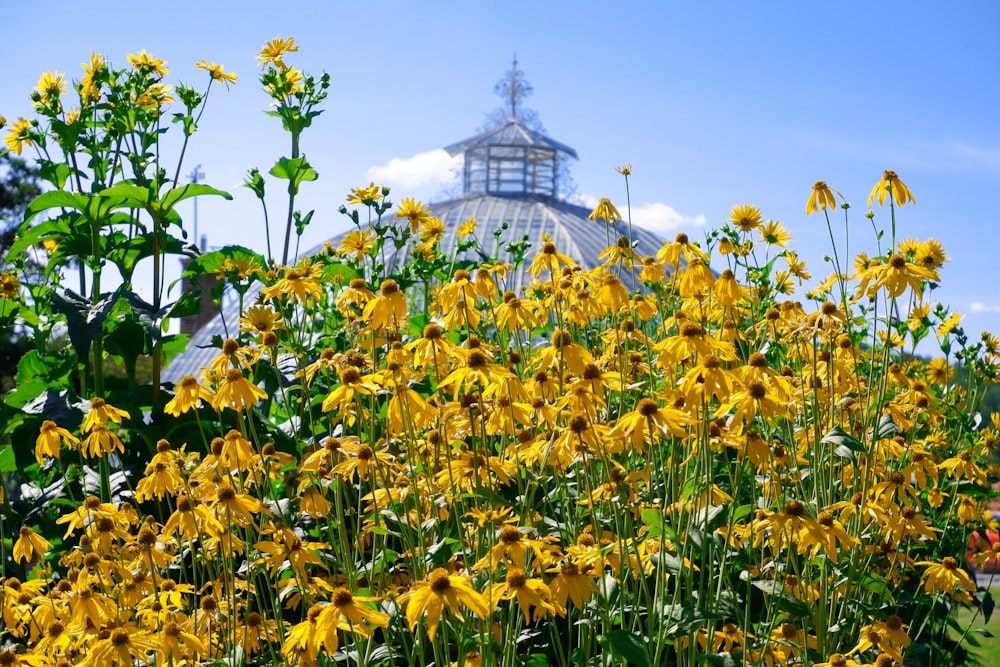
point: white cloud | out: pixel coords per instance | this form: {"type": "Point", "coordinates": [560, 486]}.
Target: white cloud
{"type": "Point", "coordinates": [980, 307]}
{"type": "Point", "coordinates": [656, 217]}
{"type": "Point", "coordinates": [433, 168]}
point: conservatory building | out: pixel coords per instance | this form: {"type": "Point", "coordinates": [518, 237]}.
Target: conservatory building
{"type": "Point", "coordinates": [513, 179]}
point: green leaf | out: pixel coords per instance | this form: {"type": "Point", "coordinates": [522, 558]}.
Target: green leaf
{"type": "Point", "coordinates": [654, 520]}
{"type": "Point", "coordinates": [83, 319]}
{"type": "Point", "coordinates": [173, 345]}
{"type": "Point", "coordinates": [35, 234]}
{"type": "Point", "coordinates": [886, 428]}
{"type": "Point", "coordinates": [179, 194]}
{"type": "Point", "coordinates": [987, 605]}
{"type": "Point", "coordinates": [838, 437]}
{"type": "Point", "coordinates": [7, 461]}
{"type": "Point", "coordinates": [128, 254]}
{"type": "Point", "coordinates": [295, 171]}
{"type": "Point", "coordinates": [55, 173]}
{"type": "Point", "coordinates": [629, 647]}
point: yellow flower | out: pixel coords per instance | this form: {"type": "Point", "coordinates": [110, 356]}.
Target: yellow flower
{"type": "Point", "coordinates": [101, 440]}
{"type": "Point", "coordinates": [101, 413]}
{"type": "Point", "coordinates": [443, 590]}
{"type": "Point", "coordinates": [388, 308]}
{"type": "Point", "coordinates": [50, 86]}
{"type": "Point", "coordinates": [948, 324]}
{"type": "Point", "coordinates": [216, 72]}
{"type": "Point", "coordinates": [50, 438]}
{"type": "Point", "coordinates": [570, 584]}
{"type": "Point", "coordinates": [890, 183]}
{"type": "Point", "coordinates": [411, 209]}
{"type": "Point", "coordinates": [348, 609]}
{"type": "Point", "coordinates": [156, 96]}
{"type": "Point", "coordinates": [605, 211]}
{"type": "Point", "coordinates": [946, 577]}
{"type": "Point", "coordinates": [9, 285]}
{"type": "Point", "coordinates": [774, 233]}
{"type": "Point", "coordinates": [931, 255]}
{"type": "Point", "coordinates": [89, 90]}
{"type": "Point", "coordinates": [727, 290]}
{"type": "Point", "coordinates": [300, 283]}
{"type": "Point", "coordinates": [273, 50]}
{"type": "Point", "coordinates": [288, 83]}
{"type": "Point", "coordinates": [548, 259]}
{"type": "Point", "coordinates": [467, 228]}
{"type": "Point", "coordinates": [671, 253]}
{"type": "Point", "coordinates": [261, 319]}
{"type": "Point", "coordinates": [237, 392]}
{"type": "Point", "coordinates": [432, 231]}
{"type": "Point", "coordinates": [624, 169]}
{"type": "Point", "coordinates": [530, 593]}
{"type": "Point", "coordinates": [30, 546]}
{"type": "Point", "coordinates": [821, 198]}
{"type": "Point", "coordinates": [357, 242]}
{"type": "Point", "coordinates": [745, 216]}
{"type": "Point", "coordinates": [366, 195]}
{"type": "Point", "coordinates": [189, 391]}
{"type": "Point", "coordinates": [145, 62]}
{"type": "Point", "coordinates": [895, 275]}
{"type": "Point", "coordinates": [17, 135]}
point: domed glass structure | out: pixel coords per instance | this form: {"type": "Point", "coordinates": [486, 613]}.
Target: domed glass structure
{"type": "Point", "coordinates": [514, 179]}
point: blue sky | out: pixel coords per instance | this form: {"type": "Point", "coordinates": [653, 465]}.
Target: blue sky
{"type": "Point", "coordinates": [714, 104]}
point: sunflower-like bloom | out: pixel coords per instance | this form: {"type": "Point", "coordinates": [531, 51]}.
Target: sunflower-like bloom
{"type": "Point", "coordinates": [895, 276]}
{"type": "Point", "coordinates": [30, 546]}
{"type": "Point", "coordinates": [605, 211]}
{"type": "Point", "coordinates": [530, 594]}
{"type": "Point", "coordinates": [746, 217]}
{"type": "Point", "coordinates": [50, 438]}
{"type": "Point", "coordinates": [300, 283]}
{"type": "Point", "coordinates": [443, 590]}
{"type": "Point", "coordinates": [358, 242]}
{"type": "Point", "coordinates": [671, 253]}
{"type": "Point", "coordinates": [388, 308]}
{"type": "Point", "coordinates": [548, 259]}
{"type": "Point", "coordinates": [946, 577]}
{"type": "Point", "coordinates": [727, 290]}
{"type": "Point", "coordinates": [101, 413]}
{"type": "Point", "coordinates": [366, 195]}
{"type": "Point", "coordinates": [822, 197]}
{"type": "Point", "coordinates": [237, 392]}
{"type": "Point", "coordinates": [271, 53]}
{"type": "Point", "coordinates": [217, 73]}
{"type": "Point", "coordinates": [89, 89]}
{"type": "Point", "coordinates": [350, 612]}
{"type": "Point", "coordinates": [570, 583]}
{"type": "Point", "coordinates": [189, 392]}
{"type": "Point", "coordinates": [649, 418]}
{"type": "Point", "coordinates": [146, 63]}
{"type": "Point", "coordinates": [17, 135]}
{"type": "Point", "coordinates": [414, 212]}
{"type": "Point", "coordinates": [50, 86]}
{"type": "Point", "coordinates": [100, 441]}
{"type": "Point", "coordinates": [890, 183]}
{"type": "Point", "coordinates": [124, 646]}
{"type": "Point", "coordinates": [512, 549]}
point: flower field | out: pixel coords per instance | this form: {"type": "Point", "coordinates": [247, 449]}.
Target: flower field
{"type": "Point", "coordinates": [418, 462]}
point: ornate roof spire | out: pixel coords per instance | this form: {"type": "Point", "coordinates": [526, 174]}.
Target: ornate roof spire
{"type": "Point", "coordinates": [513, 89]}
